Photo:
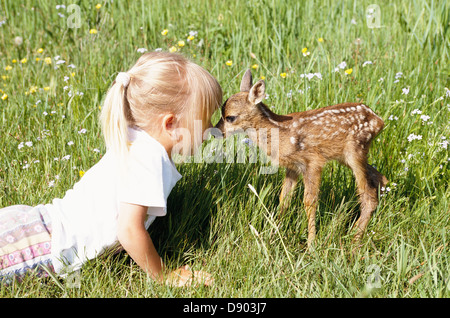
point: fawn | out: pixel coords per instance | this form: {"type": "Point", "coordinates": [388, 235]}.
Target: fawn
{"type": "Point", "coordinates": [307, 140]}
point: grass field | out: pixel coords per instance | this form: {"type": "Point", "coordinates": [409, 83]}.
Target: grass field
{"type": "Point", "coordinates": [54, 76]}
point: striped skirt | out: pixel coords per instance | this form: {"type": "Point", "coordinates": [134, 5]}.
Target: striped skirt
{"type": "Point", "coordinates": [25, 241]}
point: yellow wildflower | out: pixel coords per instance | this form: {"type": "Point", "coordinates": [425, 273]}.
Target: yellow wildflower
{"type": "Point", "coordinates": [8, 68]}
{"type": "Point", "coordinates": [14, 61]}
{"type": "Point", "coordinates": [98, 6]}
{"type": "Point", "coordinates": [33, 89]}
{"type": "Point", "coordinates": [283, 75]}
{"type": "Point", "coordinates": [320, 40]}
{"type": "Point", "coordinates": [255, 66]}
{"type": "Point", "coordinates": [164, 32]}
{"type": "Point", "coordinates": [38, 59]}
{"type": "Point", "coordinates": [24, 60]}
{"type": "Point", "coordinates": [348, 71]}
{"type": "Point", "coordinates": [172, 49]}
{"type": "Point", "coordinates": [46, 88]}
{"type": "Point", "coordinates": [229, 62]}
{"type": "Point", "coordinates": [180, 43]}
{"type": "Point", "coordinates": [262, 77]}
{"type": "Point", "coordinates": [48, 60]}
{"type": "Point", "coordinates": [4, 97]}
{"type": "Point", "coordinates": [81, 173]}
{"type": "Point", "coordinates": [40, 50]}
{"type": "Point", "coordinates": [93, 31]}
{"type": "Point", "coordinates": [72, 74]}
{"type": "Point", "coordinates": [190, 37]}
{"type": "Point", "coordinates": [305, 51]}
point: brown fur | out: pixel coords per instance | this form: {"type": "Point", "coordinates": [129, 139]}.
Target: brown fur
{"type": "Point", "coordinates": [307, 140]}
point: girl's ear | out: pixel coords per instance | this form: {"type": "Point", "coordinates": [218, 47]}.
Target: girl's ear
{"type": "Point", "coordinates": [168, 122]}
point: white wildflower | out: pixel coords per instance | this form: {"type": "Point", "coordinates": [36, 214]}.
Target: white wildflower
{"type": "Point", "coordinates": [367, 63]}
{"type": "Point", "coordinates": [412, 137]}
{"type": "Point", "coordinates": [425, 117]}
{"type": "Point", "coordinates": [405, 91]}
{"type": "Point", "coordinates": [142, 50]}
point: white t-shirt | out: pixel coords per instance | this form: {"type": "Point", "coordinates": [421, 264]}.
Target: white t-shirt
{"type": "Point", "coordinates": [84, 222]}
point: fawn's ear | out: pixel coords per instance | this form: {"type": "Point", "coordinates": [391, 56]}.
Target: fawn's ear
{"type": "Point", "coordinates": [257, 92]}
{"type": "Point", "coordinates": [246, 82]}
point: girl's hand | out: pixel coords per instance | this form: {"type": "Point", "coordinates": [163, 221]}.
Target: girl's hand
{"type": "Point", "coordinates": [184, 276]}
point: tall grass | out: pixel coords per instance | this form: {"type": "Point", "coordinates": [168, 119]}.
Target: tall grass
{"type": "Point", "coordinates": [215, 221]}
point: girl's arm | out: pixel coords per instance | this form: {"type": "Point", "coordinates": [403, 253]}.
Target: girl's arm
{"type": "Point", "coordinates": [137, 242]}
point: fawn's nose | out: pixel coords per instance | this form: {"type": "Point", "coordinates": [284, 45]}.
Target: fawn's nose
{"type": "Point", "coordinates": [218, 130]}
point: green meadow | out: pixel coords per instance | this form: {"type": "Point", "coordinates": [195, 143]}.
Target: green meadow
{"type": "Point", "coordinates": [57, 60]}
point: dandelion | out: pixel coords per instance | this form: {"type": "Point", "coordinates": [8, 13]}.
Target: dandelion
{"type": "Point", "coordinates": [305, 51]}
{"type": "Point", "coordinates": [40, 50]}
{"type": "Point", "coordinates": [172, 49]}
{"type": "Point", "coordinates": [18, 40]}
{"type": "Point", "coordinates": [348, 71]}
{"type": "Point", "coordinates": [98, 6]}
{"type": "Point", "coordinates": [93, 31]}
{"type": "Point", "coordinates": [48, 60]}
{"type": "Point", "coordinates": [181, 43]}
{"type": "Point", "coordinates": [4, 96]}
{"type": "Point", "coordinates": [8, 68]}
{"type": "Point", "coordinates": [164, 32]}
{"type": "Point", "coordinates": [283, 75]}
{"type": "Point", "coordinates": [320, 40]}
{"type": "Point", "coordinates": [229, 62]}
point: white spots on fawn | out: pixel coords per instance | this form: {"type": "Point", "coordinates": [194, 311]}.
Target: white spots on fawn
{"type": "Point", "coordinates": [292, 139]}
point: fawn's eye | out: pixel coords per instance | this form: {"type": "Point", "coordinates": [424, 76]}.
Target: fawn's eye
{"type": "Point", "coordinates": [230, 119]}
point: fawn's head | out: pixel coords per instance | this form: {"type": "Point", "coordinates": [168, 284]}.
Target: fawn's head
{"type": "Point", "coordinates": [242, 110]}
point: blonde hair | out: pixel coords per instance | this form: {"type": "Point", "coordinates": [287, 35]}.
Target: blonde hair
{"type": "Point", "coordinates": [159, 83]}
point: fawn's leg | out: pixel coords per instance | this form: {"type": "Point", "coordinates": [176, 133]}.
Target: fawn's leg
{"type": "Point", "coordinates": [366, 180]}
{"type": "Point", "coordinates": [311, 178]}
{"type": "Point", "coordinates": [376, 178]}
{"type": "Point", "coordinates": [289, 183]}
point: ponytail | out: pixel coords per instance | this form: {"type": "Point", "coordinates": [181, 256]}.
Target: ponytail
{"type": "Point", "coordinates": [115, 118]}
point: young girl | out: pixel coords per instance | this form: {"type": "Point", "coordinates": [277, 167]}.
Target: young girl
{"type": "Point", "coordinates": [117, 199]}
